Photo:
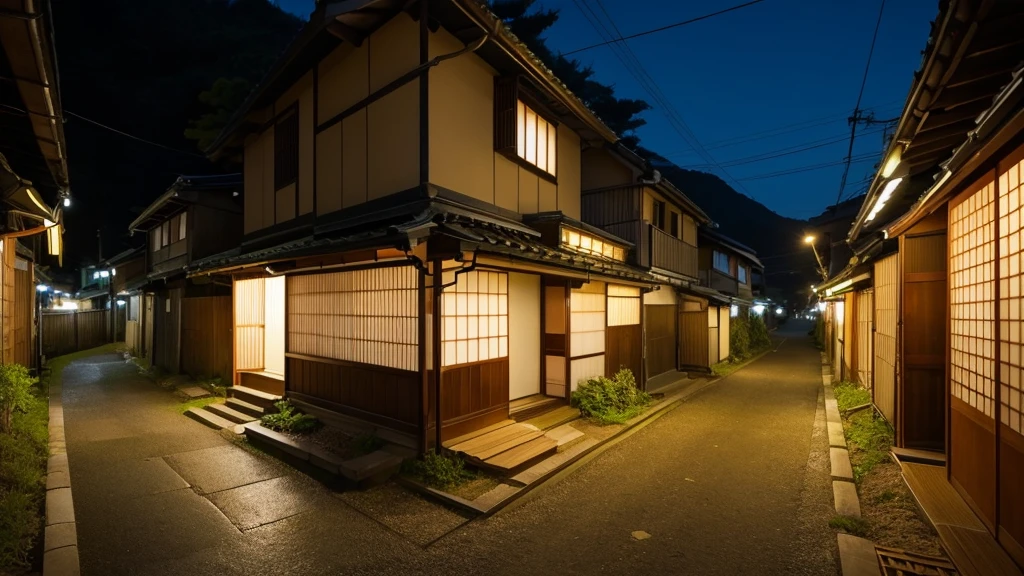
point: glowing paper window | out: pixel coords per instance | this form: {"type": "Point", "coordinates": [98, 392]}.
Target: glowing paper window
{"type": "Point", "coordinates": [623, 305]}
{"type": "Point", "coordinates": [1011, 299]}
{"type": "Point", "coordinates": [972, 296]}
{"type": "Point", "coordinates": [586, 340]}
{"type": "Point", "coordinates": [367, 316]}
{"type": "Point", "coordinates": [249, 323]}
{"type": "Point", "coordinates": [475, 318]}
{"type": "Point", "coordinates": [582, 242]}
{"type": "Point", "coordinates": [536, 139]}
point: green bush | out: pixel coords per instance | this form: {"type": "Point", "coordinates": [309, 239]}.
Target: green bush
{"type": "Point", "coordinates": [759, 339]}
{"type": "Point", "coordinates": [610, 400]}
{"type": "Point", "coordinates": [367, 443]}
{"type": "Point", "coordinates": [23, 453]}
{"type": "Point", "coordinates": [739, 337]}
{"type": "Point", "coordinates": [287, 419]}
{"type": "Point", "coordinates": [438, 470]}
{"type": "Point", "coordinates": [15, 393]}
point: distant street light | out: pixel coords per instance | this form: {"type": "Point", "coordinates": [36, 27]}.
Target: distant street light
{"type": "Point", "coordinates": [809, 239]}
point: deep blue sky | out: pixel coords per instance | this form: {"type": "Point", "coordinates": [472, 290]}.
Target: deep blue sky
{"type": "Point", "coordinates": [791, 68]}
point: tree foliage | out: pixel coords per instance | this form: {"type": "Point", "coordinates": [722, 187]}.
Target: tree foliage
{"type": "Point", "coordinates": [529, 23]}
{"type": "Point", "coordinates": [222, 99]}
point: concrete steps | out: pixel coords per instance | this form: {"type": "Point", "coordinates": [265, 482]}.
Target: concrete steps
{"type": "Point", "coordinates": [212, 420]}
{"type": "Point", "coordinates": [253, 396]}
{"type": "Point", "coordinates": [245, 407]}
{"type": "Point", "coordinates": [229, 413]}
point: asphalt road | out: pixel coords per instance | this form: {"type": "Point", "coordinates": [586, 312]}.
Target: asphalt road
{"type": "Point", "coordinates": [734, 481]}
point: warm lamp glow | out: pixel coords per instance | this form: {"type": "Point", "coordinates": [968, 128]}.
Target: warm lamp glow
{"type": "Point", "coordinates": [808, 239]}
{"type": "Point", "coordinates": [892, 162]}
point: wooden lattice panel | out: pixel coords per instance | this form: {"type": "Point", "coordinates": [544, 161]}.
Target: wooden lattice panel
{"type": "Point", "coordinates": [623, 305]}
{"type": "Point", "coordinates": [887, 311]}
{"type": "Point", "coordinates": [367, 316]}
{"type": "Point", "coordinates": [1011, 298]}
{"type": "Point", "coordinates": [249, 318]}
{"type": "Point", "coordinates": [972, 296]}
{"type": "Point", "coordinates": [895, 562]}
{"type": "Point", "coordinates": [475, 318]}
{"type": "Point", "coordinates": [865, 321]}
{"type": "Point", "coordinates": [587, 321]}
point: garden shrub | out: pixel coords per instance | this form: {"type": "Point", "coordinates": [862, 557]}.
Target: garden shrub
{"type": "Point", "coordinates": [438, 470]}
{"type": "Point", "coordinates": [739, 337]}
{"type": "Point", "coordinates": [15, 393]}
{"type": "Point", "coordinates": [287, 419]}
{"type": "Point", "coordinates": [759, 338]}
{"type": "Point", "coordinates": [610, 400]}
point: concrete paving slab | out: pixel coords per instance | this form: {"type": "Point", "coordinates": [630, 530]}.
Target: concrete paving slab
{"type": "Point", "coordinates": [133, 478]}
{"type": "Point", "coordinates": [413, 516]}
{"type": "Point", "coordinates": [857, 556]}
{"type": "Point", "coordinates": [222, 467]}
{"type": "Point", "coordinates": [840, 460]}
{"type": "Point", "coordinates": [61, 562]}
{"type": "Point", "coordinates": [836, 436]}
{"type": "Point", "coordinates": [59, 506]}
{"type": "Point", "coordinates": [101, 429]}
{"type": "Point", "coordinates": [59, 536]}
{"type": "Point", "coordinates": [254, 505]}
{"type": "Point", "coordinates": [193, 392]}
{"type": "Point", "coordinates": [495, 495]}
{"type": "Point", "coordinates": [845, 495]}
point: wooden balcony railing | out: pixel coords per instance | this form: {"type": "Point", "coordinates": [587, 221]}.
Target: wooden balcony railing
{"type": "Point", "coordinates": [670, 253]}
{"type": "Point", "coordinates": [720, 281]}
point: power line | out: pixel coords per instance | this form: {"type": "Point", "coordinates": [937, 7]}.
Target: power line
{"type": "Point", "coordinates": [870, 157]}
{"type": "Point", "coordinates": [788, 151]}
{"type": "Point", "coordinates": [622, 38]}
{"type": "Point", "coordinates": [855, 119]}
{"type": "Point", "coordinates": [633, 65]}
{"type": "Point", "coordinates": [133, 137]}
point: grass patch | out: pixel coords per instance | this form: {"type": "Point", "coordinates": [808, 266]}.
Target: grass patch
{"type": "Point", "coordinates": [869, 438]}
{"type": "Point", "coordinates": [611, 400]}
{"type": "Point", "coordinates": [366, 444]}
{"type": "Point", "coordinates": [288, 419]}
{"type": "Point", "coordinates": [198, 403]}
{"type": "Point", "coordinates": [849, 394]}
{"type": "Point", "coordinates": [438, 470]}
{"type": "Point", "coordinates": [850, 525]}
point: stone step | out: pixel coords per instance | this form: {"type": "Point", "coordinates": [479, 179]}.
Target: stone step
{"type": "Point", "coordinates": [229, 413]}
{"type": "Point", "coordinates": [245, 407]}
{"type": "Point", "coordinates": [212, 420]}
{"type": "Point", "coordinates": [563, 434]}
{"type": "Point", "coordinates": [253, 396]}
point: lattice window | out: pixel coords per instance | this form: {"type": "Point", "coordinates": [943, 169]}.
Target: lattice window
{"type": "Point", "coordinates": [623, 305]}
{"type": "Point", "coordinates": [587, 305]}
{"type": "Point", "coordinates": [536, 139]}
{"type": "Point", "coordinates": [249, 319]}
{"type": "Point", "coordinates": [972, 283]}
{"type": "Point", "coordinates": [367, 316]}
{"type": "Point", "coordinates": [475, 318]}
{"type": "Point", "coordinates": [592, 245]}
{"type": "Point", "coordinates": [1011, 298]}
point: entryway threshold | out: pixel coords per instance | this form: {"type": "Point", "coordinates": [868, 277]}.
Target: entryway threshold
{"type": "Point", "coordinates": [559, 463]}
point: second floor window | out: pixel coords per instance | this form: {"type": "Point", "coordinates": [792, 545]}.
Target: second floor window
{"type": "Point", "coordinates": [721, 262]}
{"type": "Point", "coordinates": [741, 274]}
{"type": "Point", "coordinates": [169, 232]}
{"type": "Point", "coordinates": [536, 139]}
{"type": "Point", "coordinates": [286, 151]}
{"type": "Point", "coordinates": [658, 214]}
{"type": "Point", "coordinates": [674, 224]}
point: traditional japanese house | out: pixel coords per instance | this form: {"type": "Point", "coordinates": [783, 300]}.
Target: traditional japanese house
{"type": "Point", "coordinates": [413, 254]}
{"type": "Point", "coordinates": [939, 234]}
{"type": "Point", "coordinates": [624, 195]}
{"type": "Point", "coordinates": [33, 170]}
{"type": "Point", "coordinates": [185, 324]}
{"type": "Point", "coordinates": [127, 273]}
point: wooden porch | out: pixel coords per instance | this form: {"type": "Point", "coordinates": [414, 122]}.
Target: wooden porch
{"type": "Point", "coordinates": [969, 544]}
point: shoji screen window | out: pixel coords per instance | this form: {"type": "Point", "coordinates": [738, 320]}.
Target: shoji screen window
{"type": "Point", "coordinates": [536, 139]}
{"type": "Point", "coordinates": [475, 318]}
{"type": "Point", "coordinates": [249, 323]}
{"type": "Point", "coordinates": [972, 294]}
{"type": "Point", "coordinates": [623, 305]}
{"type": "Point", "coordinates": [587, 329]}
{"type": "Point", "coordinates": [366, 316]}
{"type": "Point", "coordinates": [1011, 298]}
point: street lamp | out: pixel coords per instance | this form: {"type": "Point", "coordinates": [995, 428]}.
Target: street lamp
{"type": "Point", "coordinates": [821, 267]}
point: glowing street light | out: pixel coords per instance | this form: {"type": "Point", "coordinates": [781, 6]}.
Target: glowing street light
{"type": "Point", "coordinates": [809, 239]}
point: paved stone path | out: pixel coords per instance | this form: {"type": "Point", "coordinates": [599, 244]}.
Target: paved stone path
{"type": "Point", "coordinates": [734, 481]}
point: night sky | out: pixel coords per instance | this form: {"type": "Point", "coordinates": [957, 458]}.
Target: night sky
{"type": "Point", "coordinates": [767, 79]}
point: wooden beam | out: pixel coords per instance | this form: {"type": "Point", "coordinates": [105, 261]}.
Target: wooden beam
{"type": "Point", "coordinates": [346, 33]}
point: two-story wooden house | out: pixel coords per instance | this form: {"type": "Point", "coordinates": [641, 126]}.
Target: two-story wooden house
{"type": "Point", "coordinates": [186, 324]}
{"type": "Point", "coordinates": [413, 255]}
{"type": "Point", "coordinates": [624, 195]}
{"type": "Point", "coordinates": [730, 267]}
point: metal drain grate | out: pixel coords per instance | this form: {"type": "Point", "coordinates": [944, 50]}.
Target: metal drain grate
{"type": "Point", "coordinates": [895, 562]}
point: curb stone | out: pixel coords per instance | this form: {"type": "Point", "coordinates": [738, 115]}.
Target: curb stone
{"type": "Point", "coordinates": [60, 537]}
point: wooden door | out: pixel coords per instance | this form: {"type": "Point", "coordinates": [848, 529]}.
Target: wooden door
{"type": "Point", "coordinates": [887, 310]}
{"type": "Point", "coordinates": [714, 354]}
{"type": "Point", "coordinates": [922, 394]}
{"type": "Point", "coordinates": [660, 324]}
{"type": "Point", "coordinates": [972, 270]}
{"type": "Point", "coordinates": [555, 340]}
{"type": "Point", "coordinates": [147, 327]}
{"type": "Point", "coordinates": [693, 336]}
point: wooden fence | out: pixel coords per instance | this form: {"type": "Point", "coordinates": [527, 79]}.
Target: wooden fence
{"type": "Point", "coordinates": [67, 332]}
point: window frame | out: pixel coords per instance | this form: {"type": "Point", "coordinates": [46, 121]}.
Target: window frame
{"type": "Point", "coordinates": [508, 95]}
{"type": "Point", "coordinates": [673, 224]}
{"type": "Point", "coordinates": [741, 273]}
{"type": "Point", "coordinates": [714, 261]}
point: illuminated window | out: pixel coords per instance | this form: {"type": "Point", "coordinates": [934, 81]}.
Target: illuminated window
{"type": "Point", "coordinates": [367, 316]}
{"type": "Point", "coordinates": [536, 139]}
{"type": "Point", "coordinates": [586, 341]}
{"type": "Point", "coordinates": [721, 262]}
{"type": "Point", "coordinates": [1011, 298]}
{"type": "Point", "coordinates": [582, 242]}
{"type": "Point", "coordinates": [623, 305]}
{"type": "Point", "coordinates": [475, 318]}
{"type": "Point", "coordinates": [182, 226]}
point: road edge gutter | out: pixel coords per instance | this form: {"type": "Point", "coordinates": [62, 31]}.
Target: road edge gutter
{"type": "Point", "coordinates": [60, 536]}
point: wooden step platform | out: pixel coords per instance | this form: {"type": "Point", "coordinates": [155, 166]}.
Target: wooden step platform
{"type": "Point", "coordinates": [533, 406]}
{"type": "Point", "coordinates": [553, 418]}
{"type": "Point", "coordinates": [919, 456]}
{"type": "Point", "coordinates": [506, 447]}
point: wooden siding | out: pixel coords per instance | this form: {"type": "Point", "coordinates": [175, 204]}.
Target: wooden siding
{"type": "Point", "coordinates": [381, 395]}
{"type": "Point", "coordinates": [67, 332]}
{"type": "Point", "coordinates": [661, 323]}
{"type": "Point", "coordinates": [167, 330]}
{"type": "Point", "coordinates": [624, 350]}
{"type": "Point", "coordinates": [7, 299]}
{"type": "Point", "coordinates": [473, 396]}
{"type": "Point", "coordinates": [133, 337]}
{"type": "Point", "coordinates": [922, 396]}
{"type": "Point", "coordinates": [693, 340]}
{"type": "Point", "coordinates": [24, 299]}
{"type": "Point", "coordinates": [865, 336]}
{"type": "Point", "coordinates": [672, 254]}
{"type": "Point", "coordinates": [886, 326]}
{"type": "Point", "coordinates": [206, 337]}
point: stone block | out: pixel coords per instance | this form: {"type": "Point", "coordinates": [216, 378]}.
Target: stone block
{"type": "Point", "coordinates": [857, 556]}
{"type": "Point", "coordinates": [57, 462]}
{"type": "Point", "coordinates": [845, 494]}
{"type": "Point", "coordinates": [61, 562]}
{"type": "Point", "coordinates": [836, 437]}
{"type": "Point", "coordinates": [58, 479]}
{"type": "Point", "coordinates": [841, 468]}
{"type": "Point", "coordinates": [60, 535]}
{"type": "Point", "coordinates": [59, 506]}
